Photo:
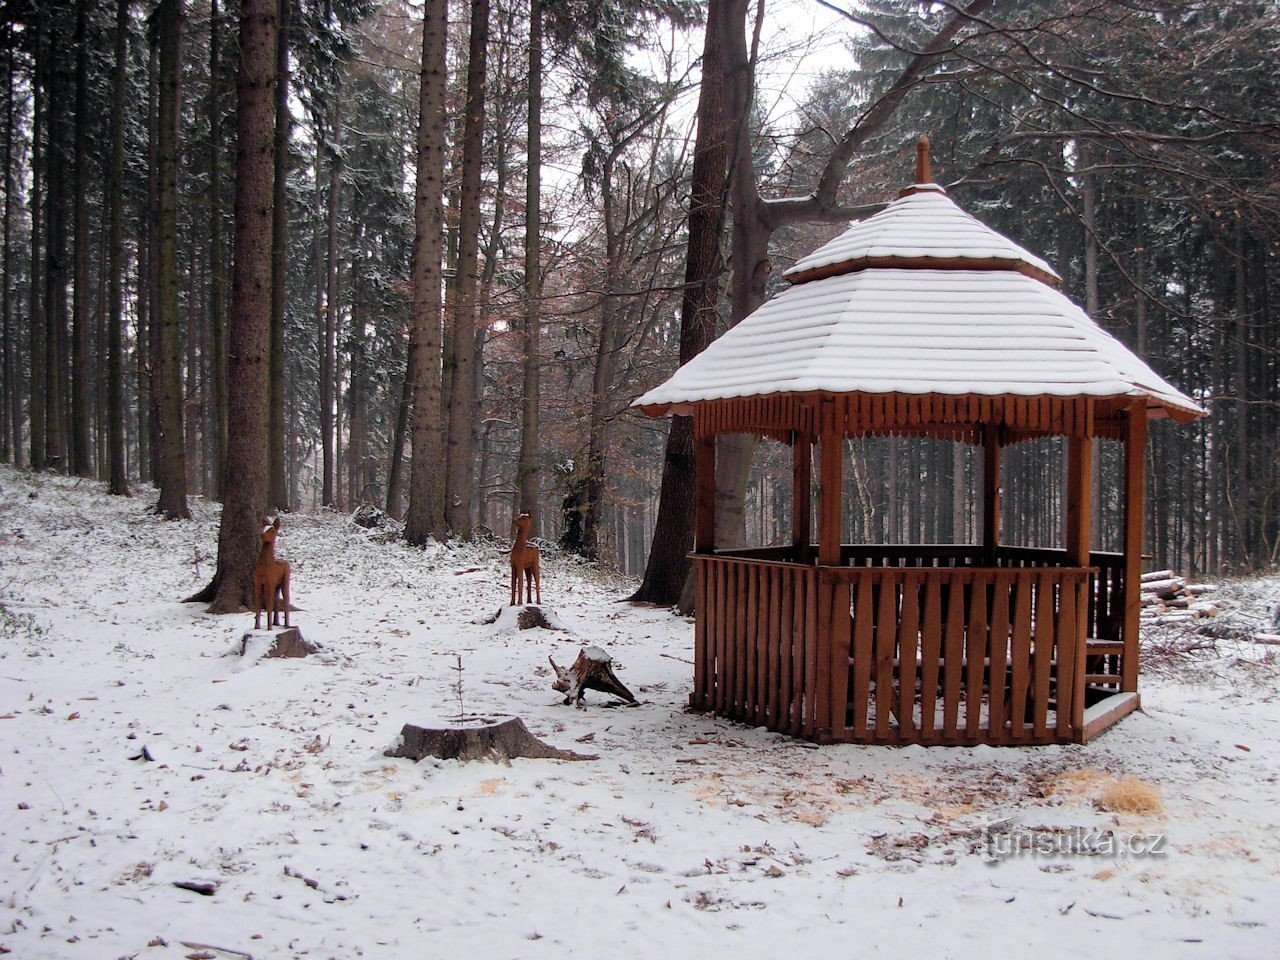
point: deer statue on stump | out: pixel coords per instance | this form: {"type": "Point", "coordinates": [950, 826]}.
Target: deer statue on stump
{"type": "Point", "coordinates": [526, 576]}
{"type": "Point", "coordinates": [270, 580]}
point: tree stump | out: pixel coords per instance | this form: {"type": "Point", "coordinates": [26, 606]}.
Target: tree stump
{"type": "Point", "coordinates": [285, 643]}
{"type": "Point", "coordinates": [495, 742]}
{"type": "Point", "coordinates": [593, 670]}
{"type": "Point", "coordinates": [527, 616]}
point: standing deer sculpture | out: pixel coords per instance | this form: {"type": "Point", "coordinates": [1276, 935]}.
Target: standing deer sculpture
{"type": "Point", "coordinates": [526, 577]}
{"type": "Point", "coordinates": [270, 580]}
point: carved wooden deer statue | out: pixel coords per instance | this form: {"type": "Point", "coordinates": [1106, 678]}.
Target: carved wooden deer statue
{"type": "Point", "coordinates": [526, 576]}
{"type": "Point", "coordinates": [270, 580]}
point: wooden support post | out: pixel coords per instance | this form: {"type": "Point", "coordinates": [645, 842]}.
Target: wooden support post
{"type": "Point", "coordinates": [830, 477]}
{"type": "Point", "coordinates": [1079, 497]}
{"type": "Point", "coordinates": [990, 491]}
{"type": "Point", "coordinates": [801, 501]}
{"type": "Point", "coordinates": [704, 468]}
{"type": "Point", "coordinates": [1135, 442]}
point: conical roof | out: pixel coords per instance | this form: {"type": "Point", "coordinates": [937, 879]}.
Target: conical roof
{"type": "Point", "coordinates": [922, 228]}
{"type": "Point", "coordinates": [920, 298]}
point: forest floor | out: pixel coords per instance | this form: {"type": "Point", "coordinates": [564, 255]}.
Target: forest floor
{"type": "Point", "coordinates": [689, 836]}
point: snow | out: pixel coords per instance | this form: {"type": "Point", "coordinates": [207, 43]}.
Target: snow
{"type": "Point", "coordinates": [689, 836]}
{"type": "Point", "coordinates": [924, 223]}
{"type": "Point", "coordinates": [884, 330]}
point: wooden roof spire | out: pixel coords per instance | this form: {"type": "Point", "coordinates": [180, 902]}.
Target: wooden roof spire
{"type": "Point", "coordinates": [923, 173]}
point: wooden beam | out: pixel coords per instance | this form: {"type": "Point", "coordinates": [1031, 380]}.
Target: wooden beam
{"type": "Point", "coordinates": [1105, 713]}
{"type": "Point", "coordinates": [704, 467]}
{"type": "Point", "coordinates": [801, 499]}
{"type": "Point", "coordinates": [1135, 443]}
{"type": "Point", "coordinates": [1079, 497]}
{"type": "Point", "coordinates": [990, 491]}
{"type": "Point", "coordinates": [830, 478]}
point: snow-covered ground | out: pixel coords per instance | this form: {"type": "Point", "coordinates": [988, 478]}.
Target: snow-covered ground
{"type": "Point", "coordinates": [688, 836]}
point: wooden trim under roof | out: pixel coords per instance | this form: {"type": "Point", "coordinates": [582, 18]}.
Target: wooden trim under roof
{"type": "Point", "coordinates": [783, 416]}
{"type": "Point", "coordinates": [925, 263]}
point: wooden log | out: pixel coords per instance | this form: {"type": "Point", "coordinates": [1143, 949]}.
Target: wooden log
{"type": "Point", "coordinates": [495, 742]}
{"type": "Point", "coordinates": [593, 670]}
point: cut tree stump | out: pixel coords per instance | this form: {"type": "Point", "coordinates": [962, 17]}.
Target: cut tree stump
{"type": "Point", "coordinates": [593, 670]}
{"type": "Point", "coordinates": [523, 616]}
{"type": "Point", "coordinates": [287, 643]}
{"type": "Point", "coordinates": [497, 742]}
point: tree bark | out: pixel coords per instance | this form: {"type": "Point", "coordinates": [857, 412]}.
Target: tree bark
{"type": "Point", "coordinates": [460, 472]}
{"type": "Point", "coordinates": [118, 482]}
{"type": "Point", "coordinates": [245, 486]}
{"type": "Point", "coordinates": [217, 279]}
{"type": "Point", "coordinates": [668, 566]}
{"type": "Point", "coordinates": [172, 461]}
{"type": "Point", "coordinates": [38, 327]}
{"type": "Point", "coordinates": [81, 382]}
{"type": "Point", "coordinates": [328, 357]}
{"type": "Point", "coordinates": [425, 518]}
{"type": "Point", "coordinates": [279, 494]}
{"type": "Point", "coordinates": [55, 275]}
{"type": "Point", "coordinates": [11, 435]}
{"type": "Point", "coordinates": [527, 469]}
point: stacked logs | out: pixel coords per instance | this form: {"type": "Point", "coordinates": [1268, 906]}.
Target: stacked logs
{"type": "Point", "coordinates": [1168, 598]}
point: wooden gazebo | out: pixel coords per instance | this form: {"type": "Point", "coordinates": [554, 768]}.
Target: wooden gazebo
{"type": "Point", "coordinates": [919, 321]}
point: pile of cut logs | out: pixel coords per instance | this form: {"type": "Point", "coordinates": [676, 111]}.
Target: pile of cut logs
{"type": "Point", "coordinates": [1169, 598]}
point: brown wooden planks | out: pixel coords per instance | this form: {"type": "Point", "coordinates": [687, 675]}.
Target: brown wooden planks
{"type": "Point", "coordinates": [886, 642]}
{"type": "Point", "coordinates": [809, 725]}
{"type": "Point", "coordinates": [841, 629]}
{"type": "Point", "coordinates": [1020, 656]}
{"type": "Point", "coordinates": [930, 653]}
{"type": "Point", "coordinates": [908, 651]}
{"type": "Point", "coordinates": [863, 633]}
{"type": "Point", "coordinates": [953, 654]}
{"type": "Point", "coordinates": [1043, 649]}
{"type": "Point", "coordinates": [1070, 644]}
{"type": "Point", "coordinates": [999, 652]}
{"type": "Point", "coordinates": [700, 658]}
{"type": "Point", "coordinates": [750, 643]}
{"type": "Point", "coordinates": [975, 654]}
{"type": "Point", "coordinates": [771, 698]}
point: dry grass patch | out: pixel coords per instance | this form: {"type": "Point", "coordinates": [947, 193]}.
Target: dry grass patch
{"type": "Point", "coordinates": [1130, 795]}
{"type": "Point", "coordinates": [1127, 794]}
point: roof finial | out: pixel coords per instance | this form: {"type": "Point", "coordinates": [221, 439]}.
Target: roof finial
{"type": "Point", "coordinates": [923, 174]}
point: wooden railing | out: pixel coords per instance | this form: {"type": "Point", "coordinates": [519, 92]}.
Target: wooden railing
{"type": "Point", "coordinates": [960, 655]}
{"type": "Point", "coordinates": [1106, 599]}
{"type": "Point", "coordinates": [757, 657]}
{"type": "Point", "coordinates": [904, 654]}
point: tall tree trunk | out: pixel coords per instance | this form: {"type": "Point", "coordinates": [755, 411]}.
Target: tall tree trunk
{"type": "Point", "coordinates": [426, 514]}
{"type": "Point", "coordinates": [1242, 506]}
{"type": "Point", "coordinates": [217, 269]}
{"type": "Point", "coordinates": [118, 483]}
{"type": "Point", "coordinates": [395, 475]}
{"type": "Point", "coordinates": [592, 489]}
{"type": "Point", "coordinates": [11, 434]}
{"type": "Point", "coordinates": [279, 494]}
{"type": "Point", "coordinates": [527, 475]}
{"type": "Point", "coordinates": [38, 326]}
{"type": "Point", "coordinates": [328, 356]}
{"type": "Point", "coordinates": [245, 487]}
{"type": "Point", "coordinates": [172, 461]}
{"type": "Point", "coordinates": [55, 276]}
{"type": "Point", "coordinates": [460, 473]}
{"type": "Point", "coordinates": [668, 565]}
{"type": "Point", "coordinates": [81, 324]}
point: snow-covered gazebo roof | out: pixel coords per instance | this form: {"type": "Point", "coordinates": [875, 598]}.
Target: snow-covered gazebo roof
{"type": "Point", "coordinates": [920, 298]}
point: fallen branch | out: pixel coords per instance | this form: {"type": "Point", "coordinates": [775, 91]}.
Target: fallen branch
{"type": "Point", "coordinates": [192, 945]}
